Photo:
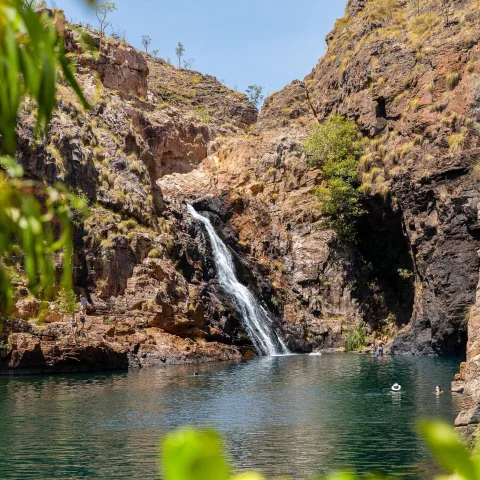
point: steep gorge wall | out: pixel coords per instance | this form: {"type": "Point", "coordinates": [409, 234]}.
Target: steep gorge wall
{"type": "Point", "coordinates": [159, 136]}
{"type": "Point", "coordinates": [148, 120]}
{"type": "Point", "coordinates": [410, 80]}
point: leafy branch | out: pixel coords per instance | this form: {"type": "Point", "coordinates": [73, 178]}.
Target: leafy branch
{"type": "Point", "coordinates": [32, 52]}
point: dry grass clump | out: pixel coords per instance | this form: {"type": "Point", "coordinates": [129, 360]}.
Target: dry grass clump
{"type": "Point", "coordinates": [470, 67]}
{"type": "Point", "coordinates": [385, 10]}
{"type": "Point", "coordinates": [452, 79]}
{"type": "Point", "coordinates": [422, 25]}
{"type": "Point", "coordinates": [456, 142]}
{"type": "Point", "coordinates": [476, 172]}
{"type": "Point", "coordinates": [380, 156]}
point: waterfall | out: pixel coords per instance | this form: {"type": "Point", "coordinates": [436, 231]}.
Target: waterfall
{"type": "Point", "coordinates": [258, 322]}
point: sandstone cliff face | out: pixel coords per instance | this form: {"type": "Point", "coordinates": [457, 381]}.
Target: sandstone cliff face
{"type": "Point", "coordinates": [149, 120]}
{"type": "Point", "coordinates": [410, 80]}
{"type": "Point", "coordinates": [159, 136]}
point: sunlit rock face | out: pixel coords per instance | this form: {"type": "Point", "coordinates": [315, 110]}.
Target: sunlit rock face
{"type": "Point", "coordinates": [158, 137]}
{"type": "Point", "coordinates": [355, 6]}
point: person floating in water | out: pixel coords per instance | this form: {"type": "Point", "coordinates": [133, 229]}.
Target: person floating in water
{"type": "Point", "coordinates": [396, 387]}
{"type": "Point", "coordinates": [438, 390]}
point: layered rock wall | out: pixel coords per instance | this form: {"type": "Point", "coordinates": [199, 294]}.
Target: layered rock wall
{"type": "Point", "coordinates": [158, 136]}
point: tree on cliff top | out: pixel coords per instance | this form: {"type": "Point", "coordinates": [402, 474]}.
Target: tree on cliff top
{"type": "Point", "coordinates": [179, 51]}
{"type": "Point", "coordinates": [102, 11]}
{"type": "Point", "coordinates": [32, 214]}
{"type": "Point", "coordinates": [146, 41]}
{"type": "Point", "coordinates": [255, 95]}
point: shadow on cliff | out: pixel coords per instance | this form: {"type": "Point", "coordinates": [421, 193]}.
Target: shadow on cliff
{"type": "Point", "coordinates": [386, 285]}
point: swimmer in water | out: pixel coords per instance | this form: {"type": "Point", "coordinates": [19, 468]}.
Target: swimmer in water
{"type": "Point", "coordinates": [438, 390]}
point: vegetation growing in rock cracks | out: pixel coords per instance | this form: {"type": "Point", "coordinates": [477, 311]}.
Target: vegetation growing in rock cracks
{"type": "Point", "coordinates": [188, 454]}
{"type": "Point", "coordinates": [336, 147]}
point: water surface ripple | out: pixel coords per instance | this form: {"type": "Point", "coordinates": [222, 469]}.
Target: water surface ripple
{"type": "Point", "coordinates": [297, 416]}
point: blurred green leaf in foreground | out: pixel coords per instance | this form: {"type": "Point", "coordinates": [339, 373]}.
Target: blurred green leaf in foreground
{"type": "Point", "coordinates": [189, 454]}
{"type": "Point", "coordinates": [34, 218]}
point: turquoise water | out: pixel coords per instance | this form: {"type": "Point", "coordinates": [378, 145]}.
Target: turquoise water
{"type": "Point", "coordinates": [297, 416]}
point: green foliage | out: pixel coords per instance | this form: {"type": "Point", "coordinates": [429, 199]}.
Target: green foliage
{"type": "Point", "coordinates": [28, 214]}
{"type": "Point", "coordinates": [179, 51]}
{"type": "Point", "coordinates": [404, 273]}
{"type": "Point", "coordinates": [340, 201]}
{"type": "Point", "coordinates": [255, 95]}
{"type": "Point", "coordinates": [333, 142]}
{"type": "Point", "coordinates": [356, 339]}
{"type": "Point", "coordinates": [154, 253]}
{"type": "Point", "coordinates": [67, 301]}
{"type": "Point", "coordinates": [335, 146]}
{"type": "Point", "coordinates": [188, 454]}
{"type": "Point", "coordinates": [30, 52]}
{"type": "Point", "coordinates": [450, 452]}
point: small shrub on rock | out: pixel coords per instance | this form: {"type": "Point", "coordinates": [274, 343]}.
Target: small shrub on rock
{"type": "Point", "coordinates": [154, 253]}
{"type": "Point", "coordinates": [356, 339]}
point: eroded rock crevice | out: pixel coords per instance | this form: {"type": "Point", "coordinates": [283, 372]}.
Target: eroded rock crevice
{"type": "Point", "coordinates": [387, 274]}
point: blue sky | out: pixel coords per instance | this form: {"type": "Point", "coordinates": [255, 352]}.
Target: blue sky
{"type": "Point", "coordinates": [268, 42]}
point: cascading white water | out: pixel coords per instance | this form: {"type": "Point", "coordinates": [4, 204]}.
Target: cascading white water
{"type": "Point", "coordinates": [257, 320]}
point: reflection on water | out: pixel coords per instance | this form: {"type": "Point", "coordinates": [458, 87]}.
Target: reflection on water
{"type": "Point", "coordinates": [297, 416]}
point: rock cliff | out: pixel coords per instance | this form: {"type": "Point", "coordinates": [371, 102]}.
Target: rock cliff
{"type": "Point", "coordinates": [159, 136]}
{"type": "Point", "coordinates": [409, 77]}
{"type": "Point", "coordinates": [148, 120]}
